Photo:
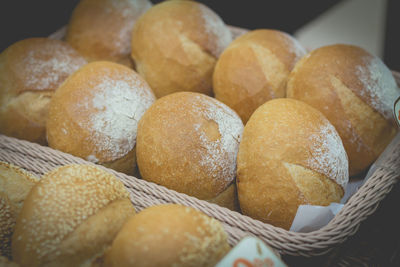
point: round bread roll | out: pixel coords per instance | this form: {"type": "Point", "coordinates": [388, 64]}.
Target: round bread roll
{"type": "Point", "coordinates": [356, 92]}
{"type": "Point", "coordinates": [95, 112]}
{"type": "Point", "coordinates": [188, 142]}
{"type": "Point", "coordinates": [70, 217]}
{"type": "Point", "coordinates": [15, 184]}
{"type": "Point", "coordinates": [175, 45]}
{"type": "Point", "coordinates": [169, 235]}
{"type": "Point", "coordinates": [254, 69]}
{"type": "Point", "coordinates": [30, 71]}
{"type": "Point", "coordinates": [290, 155]}
{"type": "Point", "coordinates": [102, 29]}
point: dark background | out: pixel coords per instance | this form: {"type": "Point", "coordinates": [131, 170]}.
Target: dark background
{"type": "Point", "coordinates": [21, 19]}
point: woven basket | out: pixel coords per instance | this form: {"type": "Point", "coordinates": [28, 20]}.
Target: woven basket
{"type": "Point", "coordinates": [40, 159]}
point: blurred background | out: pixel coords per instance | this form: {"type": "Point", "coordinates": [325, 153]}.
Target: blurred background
{"type": "Point", "coordinates": [371, 24]}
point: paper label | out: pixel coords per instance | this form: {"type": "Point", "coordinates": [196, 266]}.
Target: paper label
{"type": "Point", "coordinates": [397, 111]}
{"type": "Point", "coordinates": [251, 252]}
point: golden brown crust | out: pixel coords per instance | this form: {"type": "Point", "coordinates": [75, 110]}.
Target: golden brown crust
{"type": "Point", "coordinates": [188, 142]}
{"type": "Point", "coordinates": [228, 198]}
{"type": "Point", "coordinates": [289, 155]}
{"type": "Point", "coordinates": [254, 69]}
{"type": "Point", "coordinates": [175, 45]}
{"type": "Point", "coordinates": [15, 184]}
{"type": "Point", "coordinates": [94, 114]}
{"type": "Point", "coordinates": [30, 71]}
{"type": "Point", "coordinates": [102, 29]}
{"type": "Point", "coordinates": [67, 202]}
{"type": "Point", "coordinates": [355, 91]}
{"type": "Point", "coordinates": [169, 235]}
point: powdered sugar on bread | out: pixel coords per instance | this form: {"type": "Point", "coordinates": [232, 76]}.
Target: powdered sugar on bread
{"type": "Point", "coordinates": [380, 89]}
{"type": "Point", "coordinates": [48, 63]}
{"type": "Point", "coordinates": [221, 36]}
{"type": "Point", "coordinates": [220, 154]}
{"type": "Point", "coordinates": [120, 103]}
{"type": "Point", "coordinates": [294, 46]}
{"type": "Point", "coordinates": [328, 155]}
{"type": "Point", "coordinates": [129, 11]}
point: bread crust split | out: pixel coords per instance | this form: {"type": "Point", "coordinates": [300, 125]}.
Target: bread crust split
{"type": "Point", "coordinates": [70, 217]}
{"type": "Point", "coordinates": [290, 155]}
{"type": "Point", "coordinates": [355, 91]}
{"type": "Point", "coordinates": [175, 45]}
{"type": "Point", "coordinates": [254, 68]}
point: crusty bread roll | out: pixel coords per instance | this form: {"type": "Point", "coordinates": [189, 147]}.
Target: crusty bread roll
{"type": "Point", "coordinates": [30, 72]}
{"type": "Point", "coordinates": [175, 45]}
{"type": "Point", "coordinates": [254, 69]}
{"type": "Point", "coordinates": [356, 92]}
{"type": "Point", "coordinates": [290, 155]}
{"type": "Point", "coordinates": [95, 112]}
{"type": "Point", "coordinates": [102, 29]}
{"type": "Point", "coordinates": [188, 142]}
{"type": "Point", "coordinates": [168, 235]}
{"type": "Point", "coordinates": [71, 216]}
{"type": "Point", "coordinates": [15, 184]}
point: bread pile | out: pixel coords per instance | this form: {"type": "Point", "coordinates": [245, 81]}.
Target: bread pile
{"type": "Point", "coordinates": [257, 125]}
{"type": "Point", "coordinates": [81, 215]}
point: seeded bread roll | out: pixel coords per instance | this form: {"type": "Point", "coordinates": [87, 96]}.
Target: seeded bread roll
{"type": "Point", "coordinates": [169, 235]}
{"type": "Point", "coordinates": [70, 217]}
{"type": "Point", "coordinates": [95, 112]}
{"type": "Point", "coordinates": [290, 155]}
{"type": "Point", "coordinates": [15, 184]}
{"type": "Point", "coordinates": [356, 92]}
{"type": "Point", "coordinates": [102, 29]}
{"type": "Point", "coordinates": [254, 69]}
{"type": "Point", "coordinates": [188, 142]}
{"type": "Point", "coordinates": [30, 71]}
{"type": "Point", "coordinates": [175, 45]}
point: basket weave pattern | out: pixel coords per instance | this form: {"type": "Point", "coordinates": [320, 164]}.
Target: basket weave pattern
{"type": "Point", "coordinates": [39, 160]}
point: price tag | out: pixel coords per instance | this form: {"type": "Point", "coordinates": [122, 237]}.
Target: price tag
{"type": "Point", "coordinates": [397, 111]}
{"type": "Point", "coordinates": [251, 252]}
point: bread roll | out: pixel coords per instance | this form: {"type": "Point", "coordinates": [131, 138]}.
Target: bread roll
{"type": "Point", "coordinates": [30, 72]}
{"type": "Point", "coordinates": [95, 112]}
{"type": "Point", "coordinates": [356, 92]}
{"type": "Point", "coordinates": [254, 69]}
{"type": "Point", "coordinates": [168, 235]}
{"type": "Point", "coordinates": [15, 184]}
{"type": "Point", "coordinates": [102, 29]}
{"type": "Point", "coordinates": [188, 142]}
{"type": "Point", "coordinates": [290, 155]}
{"type": "Point", "coordinates": [175, 45]}
{"type": "Point", "coordinates": [71, 216]}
